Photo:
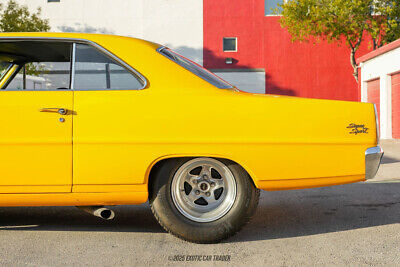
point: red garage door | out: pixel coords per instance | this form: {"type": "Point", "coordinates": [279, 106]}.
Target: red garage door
{"type": "Point", "coordinates": [396, 105]}
{"type": "Point", "coordinates": [374, 93]}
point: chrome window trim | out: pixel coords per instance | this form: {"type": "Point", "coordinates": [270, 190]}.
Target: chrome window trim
{"type": "Point", "coordinates": [160, 49]}
{"type": "Point", "coordinates": [83, 41]}
{"type": "Point", "coordinates": [72, 74]}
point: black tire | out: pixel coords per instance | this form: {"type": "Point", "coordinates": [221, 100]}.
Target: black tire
{"type": "Point", "coordinates": [173, 221]}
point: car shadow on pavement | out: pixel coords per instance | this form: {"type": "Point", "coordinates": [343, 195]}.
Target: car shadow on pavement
{"type": "Point", "coordinates": [285, 214]}
{"type": "Point", "coordinates": [387, 160]}
{"type": "Point", "coordinates": [136, 218]}
{"type": "Point", "coordinates": [280, 214]}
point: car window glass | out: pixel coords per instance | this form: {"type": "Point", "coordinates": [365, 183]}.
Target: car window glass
{"type": "Point", "coordinates": [195, 69]}
{"type": "Point", "coordinates": [38, 64]}
{"type": "Point", "coordinates": [42, 76]}
{"type": "Point", "coordinates": [96, 71]}
{"type": "Point", "coordinates": [3, 68]}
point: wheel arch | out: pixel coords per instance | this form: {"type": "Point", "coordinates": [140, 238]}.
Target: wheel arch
{"type": "Point", "coordinates": [156, 164]}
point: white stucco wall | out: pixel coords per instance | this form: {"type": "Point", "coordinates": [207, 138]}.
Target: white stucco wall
{"type": "Point", "coordinates": [252, 82]}
{"type": "Point", "coordinates": [382, 67]}
{"type": "Point", "coordinates": [176, 23]}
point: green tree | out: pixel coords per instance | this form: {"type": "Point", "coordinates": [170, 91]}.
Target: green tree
{"type": "Point", "coordinates": [389, 19]}
{"type": "Point", "coordinates": [342, 20]}
{"type": "Point", "coordinates": [17, 18]}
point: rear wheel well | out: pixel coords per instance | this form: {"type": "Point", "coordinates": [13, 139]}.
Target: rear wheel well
{"type": "Point", "coordinates": [156, 167]}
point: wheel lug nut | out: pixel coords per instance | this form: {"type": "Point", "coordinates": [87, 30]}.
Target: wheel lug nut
{"type": "Point", "coordinates": [195, 181]}
{"type": "Point", "coordinates": [213, 184]}
{"type": "Point", "coordinates": [208, 194]}
{"type": "Point", "coordinates": [197, 192]}
{"type": "Point", "coordinates": [205, 177]}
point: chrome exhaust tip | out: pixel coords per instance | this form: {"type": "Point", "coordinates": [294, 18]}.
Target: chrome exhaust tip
{"type": "Point", "coordinates": [98, 211]}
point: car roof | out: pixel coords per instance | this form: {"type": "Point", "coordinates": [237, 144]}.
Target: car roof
{"type": "Point", "coordinates": [94, 37]}
{"type": "Point", "coordinates": [139, 54]}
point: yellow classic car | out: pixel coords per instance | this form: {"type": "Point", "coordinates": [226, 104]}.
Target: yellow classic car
{"type": "Point", "coordinates": [93, 120]}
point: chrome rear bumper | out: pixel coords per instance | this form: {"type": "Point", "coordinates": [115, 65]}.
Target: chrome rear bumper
{"type": "Point", "coordinates": [373, 156]}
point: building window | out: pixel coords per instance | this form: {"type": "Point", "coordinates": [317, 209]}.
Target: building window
{"type": "Point", "coordinates": [230, 44]}
{"type": "Point", "coordinates": [270, 6]}
{"type": "Point", "coordinates": [53, 1]}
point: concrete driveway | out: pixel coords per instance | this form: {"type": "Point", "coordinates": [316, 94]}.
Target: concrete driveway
{"type": "Point", "coordinates": [355, 224]}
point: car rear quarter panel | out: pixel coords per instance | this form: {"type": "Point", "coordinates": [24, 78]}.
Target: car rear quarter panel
{"type": "Point", "coordinates": [280, 141]}
{"type": "Point", "coordinates": [284, 143]}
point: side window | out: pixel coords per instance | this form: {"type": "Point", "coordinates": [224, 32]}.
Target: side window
{"type": "Point", "coordinates": [96, 71]}
{"type": "Point", "coordinates": [40, 65]}
{"type": "Point", "coordinates": [42, 76]}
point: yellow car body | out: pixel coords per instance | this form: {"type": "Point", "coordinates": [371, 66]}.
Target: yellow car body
{"type": "Point", "coordinates": [106, 147]}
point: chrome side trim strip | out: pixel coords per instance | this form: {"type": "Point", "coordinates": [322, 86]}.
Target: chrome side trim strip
{"type": "Point", "coordinates": [84, 41]}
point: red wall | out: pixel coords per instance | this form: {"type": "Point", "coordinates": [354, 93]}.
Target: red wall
{"type": "Point", "coordinates": [233, 18]}
{"type": "Point", "coordinates": [299, 69]}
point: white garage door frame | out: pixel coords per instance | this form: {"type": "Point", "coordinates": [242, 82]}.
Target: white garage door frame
{"type": "Point", "coordinates": [381, 67]}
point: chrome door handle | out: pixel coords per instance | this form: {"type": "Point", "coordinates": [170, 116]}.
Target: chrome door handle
{"type": "Point", "coordinates": [61, 111]}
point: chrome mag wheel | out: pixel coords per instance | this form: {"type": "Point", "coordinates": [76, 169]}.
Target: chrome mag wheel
{"type": "Point", "coordinates": [203, 189]}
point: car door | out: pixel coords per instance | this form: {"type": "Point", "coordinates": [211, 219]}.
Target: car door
{"type": "Point", "coordinates": [36, 118]}
{"type": "Point", "coordinates": [107, 102]}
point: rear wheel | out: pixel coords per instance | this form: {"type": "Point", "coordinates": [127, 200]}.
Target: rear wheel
{"type": "Point", "coordinates": [202, 200]}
